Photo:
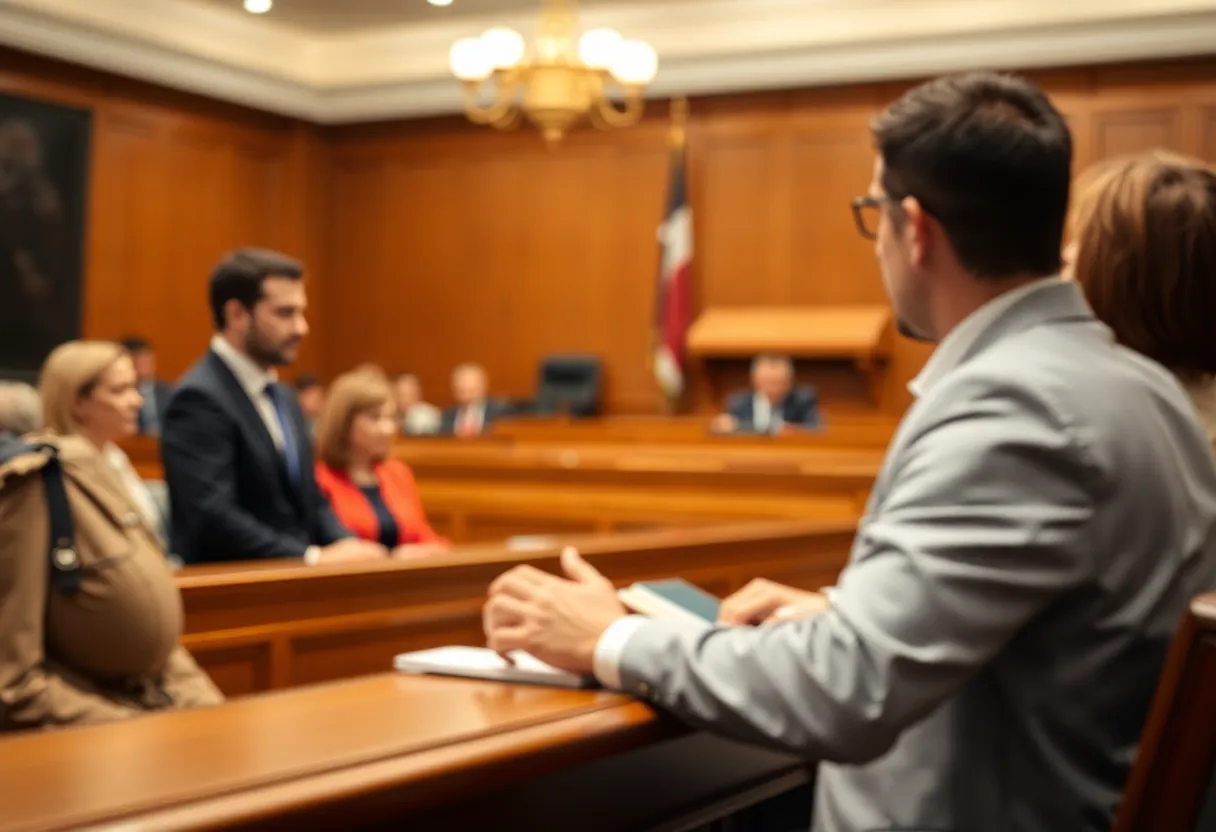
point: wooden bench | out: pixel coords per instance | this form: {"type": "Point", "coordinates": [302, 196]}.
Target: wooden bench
{"type": "Point", "coordinates": [490, 489]}
{"type": "Point", "coordinates": [1172, 786]}
{"type": "Point", "coordinates": [276, 624]}
{"type": "Point", "coordinates": [387, 752]}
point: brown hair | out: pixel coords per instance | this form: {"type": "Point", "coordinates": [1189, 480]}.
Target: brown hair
{"type": "Point", "coordinates": [989, 157]}
{"type": "Point", "coordinates": [359, 391]}
{"type": "Point", "coordinates": [70, 372]}
{"type": "Point", "coordinates": [1145, 234]}
{"type": "Point", "coordinates": [239, 276]}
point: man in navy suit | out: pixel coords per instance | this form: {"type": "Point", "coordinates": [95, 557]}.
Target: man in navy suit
{"type": "Point", "coordinates": [474, 411]}
{"type": "Point", "coordinates": [773, 404]}
{"type": "Point", "coordinates": [237, 456]}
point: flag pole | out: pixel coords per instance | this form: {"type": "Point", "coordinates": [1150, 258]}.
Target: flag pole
{"type": "Point", "coordinates": [677, 139]}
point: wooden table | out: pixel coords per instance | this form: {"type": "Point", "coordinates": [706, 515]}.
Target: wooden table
{"type": "Point", "coordinates": [387, 752]}
{"type": "Point", "coordinates": [276, 624]}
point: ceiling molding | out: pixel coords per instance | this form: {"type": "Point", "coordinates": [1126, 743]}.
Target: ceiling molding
{"type": "Point", "coordinates": [704, 46]}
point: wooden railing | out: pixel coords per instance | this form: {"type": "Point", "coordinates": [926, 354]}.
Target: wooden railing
{"type": "Point", "coordinates": [277, 624]}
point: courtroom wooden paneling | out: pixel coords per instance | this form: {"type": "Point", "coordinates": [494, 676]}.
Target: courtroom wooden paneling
{"type": "Point", "coordinates": [514, 251]}
{"type": "Point", "coordinates": [388, 752]}
{"type": "Point", "coordinates": [175, 181]}
{"type": "Point", "coordinates": [262, 626]}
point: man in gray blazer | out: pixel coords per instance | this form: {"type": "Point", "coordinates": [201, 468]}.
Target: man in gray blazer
{"type": "Point", "coordinates": [1046, 508]}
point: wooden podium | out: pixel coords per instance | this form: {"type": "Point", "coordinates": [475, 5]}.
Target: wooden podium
{"type": "Point", "coordinates": [842, 350]}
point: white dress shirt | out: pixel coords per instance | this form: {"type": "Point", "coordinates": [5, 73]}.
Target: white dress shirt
{"type": "Point", "coordinates": [253, 380]}
{"type": "Point", "coordinates": [136, 488]}
{"type": "Point", "coordinates": [762, 413]}
{"type": "Point", "coordinates": [952, 349]}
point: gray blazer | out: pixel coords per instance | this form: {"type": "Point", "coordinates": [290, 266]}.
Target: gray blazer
{"type": "Point", "coordinates": [1044, 512]}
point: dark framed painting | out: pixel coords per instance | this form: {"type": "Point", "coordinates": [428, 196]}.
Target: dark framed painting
{"type": "Point", "coordinates": [44, 176]}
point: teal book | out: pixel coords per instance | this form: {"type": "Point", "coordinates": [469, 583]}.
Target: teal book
{"type": "Point", "coordinates": [673, 598]}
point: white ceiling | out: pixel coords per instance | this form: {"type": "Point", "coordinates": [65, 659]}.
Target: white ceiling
{"type": "Point", "coordinates": [400, 69]}
{"type": "Point", "coordinates": [346, 15]}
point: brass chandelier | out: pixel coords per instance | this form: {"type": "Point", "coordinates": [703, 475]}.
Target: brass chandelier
{"type": "Point", "coordinates": [558, 79]}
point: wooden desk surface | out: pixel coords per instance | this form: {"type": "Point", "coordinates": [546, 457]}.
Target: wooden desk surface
{"type": "Point", "coordinates": [417, 741]}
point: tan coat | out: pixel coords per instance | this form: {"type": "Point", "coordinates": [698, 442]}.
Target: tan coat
{"type": "Point", "coordinates": [109, 651]}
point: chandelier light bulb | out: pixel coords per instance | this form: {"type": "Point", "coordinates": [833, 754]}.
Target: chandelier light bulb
{"type": "Point", "coordinates": [503, 47]}
{"type": "Point", "coordinates": [635, 63]}
{"type": "Point", "coordinates": [469, 60]}
{"type": "Point", "coordinates": [258, 6]}
{"type": "Point", "coordinates": [598, 48]}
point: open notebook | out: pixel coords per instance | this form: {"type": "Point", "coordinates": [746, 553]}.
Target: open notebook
{"type": "Point", "coordinates": [483, 663]}
{"type": "Point", "coordinates": [671, 599]}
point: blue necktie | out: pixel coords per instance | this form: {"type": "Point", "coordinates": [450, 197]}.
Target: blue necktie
{"type": "Point", "coordinates": [291, 453]}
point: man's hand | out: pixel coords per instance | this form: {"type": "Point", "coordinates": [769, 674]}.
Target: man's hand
{"type": "Point", "coordinates": [352, 550]}
{"type": "Point", "coordinates": [762, 600]}
{"type": "Point", "coordinates": [723, 423]}
{"type": "Point", "coordinates": [410, 551]}
{"type": "Point", "coordinates": [558, 621]}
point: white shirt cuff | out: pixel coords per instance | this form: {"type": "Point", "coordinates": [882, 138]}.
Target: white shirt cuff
{"type": "Point", "coordinates": [312, 555]}
{"type": "Point", "coordinates": [611, 646]}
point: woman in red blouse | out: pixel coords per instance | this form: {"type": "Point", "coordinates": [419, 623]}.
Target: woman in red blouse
{"type": "Point", "coordinates": [373, 496]}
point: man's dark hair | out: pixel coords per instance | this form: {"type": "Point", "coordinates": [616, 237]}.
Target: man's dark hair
{"type": "Point", "coordinates": [136, 344]}
{"type": "Point", "coordinates": [990, 158]}
{"type": "Point", "coordinates": [240, 274]}
{"type": "Point", "coordinates": [306, 381]}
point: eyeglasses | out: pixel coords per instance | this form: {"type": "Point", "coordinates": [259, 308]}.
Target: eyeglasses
{"type": "Point", "coordinates": [867, 211]}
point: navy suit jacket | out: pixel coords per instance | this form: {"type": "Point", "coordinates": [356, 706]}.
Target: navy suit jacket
{"type": "Point", "coordinates": [230, 492]}
{"type": "Point", "coordinates": [800, 409]}
{"type": "Point", "coordinates": [495, 409]}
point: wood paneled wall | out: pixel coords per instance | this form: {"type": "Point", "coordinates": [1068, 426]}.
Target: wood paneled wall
{"type": "Point", "coordinates": [460, 243]}
{"type": "Point", "coordinates": [434, 242]}
{"type": "Point", "coordinates": [176, 181]}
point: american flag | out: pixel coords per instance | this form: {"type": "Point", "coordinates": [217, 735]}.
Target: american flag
{"type": "Point", "coordinates": [673, 301]}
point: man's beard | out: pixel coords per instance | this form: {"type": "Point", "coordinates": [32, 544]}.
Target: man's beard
{"type": "Point", "coordinates": [905, 329]}
{"type": "Point", "coordinates": [266, 354]}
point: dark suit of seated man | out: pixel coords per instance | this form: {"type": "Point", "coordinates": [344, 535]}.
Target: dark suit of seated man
{"type": "Point", "coordinates": [237, 457]}
{"type": "Point", "coordinates": [474, 412]}
{"type": "Point", "coordinates": [773, 405]}
{"type": "Point", "coordinates": [156, 393]}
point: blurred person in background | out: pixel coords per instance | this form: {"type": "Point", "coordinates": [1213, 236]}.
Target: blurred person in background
{"type": "Point", "coordinates": [417, 417]}
{"type": "Point", "coordinates": [372, 494]}
{"type": "Point", "coordinates": [1144, 251]}
{"type": "Point", "coordinates": [104, 647]}
{"type": "Point", "coordinates": [20, 409]}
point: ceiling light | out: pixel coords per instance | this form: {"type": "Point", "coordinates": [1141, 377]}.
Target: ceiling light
{"type": "Point", "coordinates": [558, 79]}
{"type": "Point", "coordinates": [258, 6]}
{"type": "Point", "coordinates": [440, 2]}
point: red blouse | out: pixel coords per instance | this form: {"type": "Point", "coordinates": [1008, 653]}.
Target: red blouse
{"type": "Point", "coordinates": [400, 495]}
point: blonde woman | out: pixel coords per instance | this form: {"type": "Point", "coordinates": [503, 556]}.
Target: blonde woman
{"type": "Point", "coordinates": [1144, 251]}
{"type": "Point", "coordinates": [372, 495]}
{"type": "Point", "coordinates": [108, 649]}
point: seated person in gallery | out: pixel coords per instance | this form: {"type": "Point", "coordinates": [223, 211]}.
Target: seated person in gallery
{"type": "Point", "coordinates": [20, 409]}
{"type": "Point", "coordinates": [310, 393]}
{"type": "Point", "coordinates": [156, 393]}
{"type": "Point", "coordinates": [474, 412]}
{"type": "Point", "coordinates": [372, 495]}
{"type": "Point", "coordinates": [102, 645]}
{"type": "Point", "coordinates": [773, 405]}
{"type": "Point", "coordinates": [417, 417]}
